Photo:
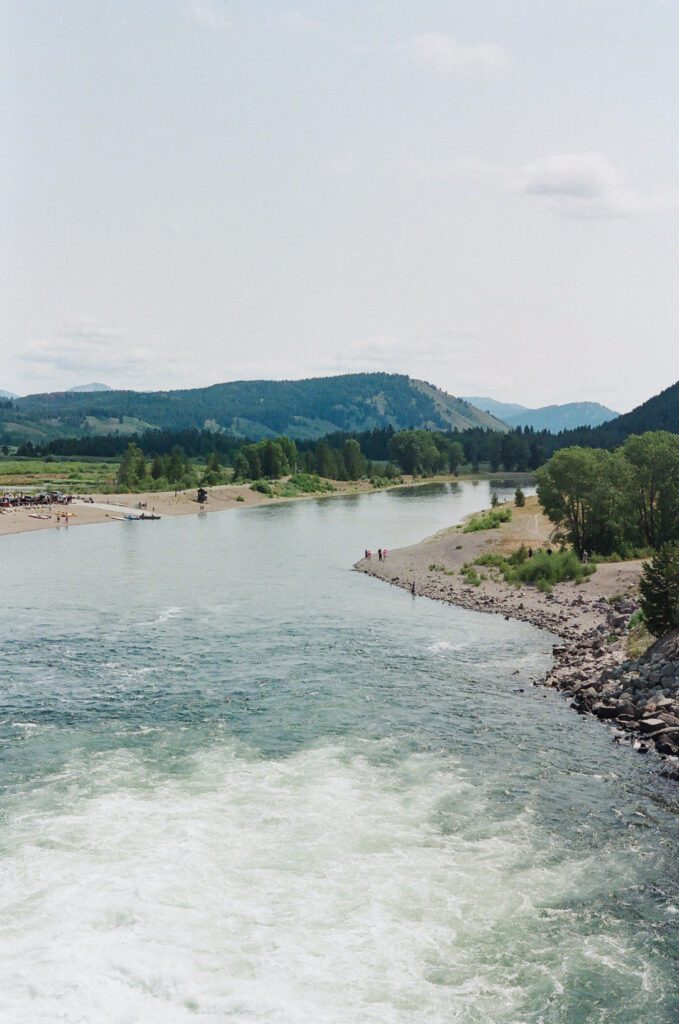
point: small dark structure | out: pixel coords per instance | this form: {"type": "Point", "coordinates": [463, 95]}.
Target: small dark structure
{"type": "Point", "coordinates": [202, 496]}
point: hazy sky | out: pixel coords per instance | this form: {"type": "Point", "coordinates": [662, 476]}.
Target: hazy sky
{"type": "Point", "coordinates": [484, 194]}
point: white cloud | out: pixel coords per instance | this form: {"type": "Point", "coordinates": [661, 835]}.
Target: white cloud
{"type": "Point", "coordinates": [434, 359]}
{"type": "Point", "coordinates": [84, 351]}
{"type": "Point", "coordinates": [443, 55]}
{"type": "Point", "coordinates": [440, 358]}
{"type": "Point", "coordinates": [587, 185]}
{"type": "Point", "coordinates": [445, 361]}
{"type": "Point", "coordinates": [211, 13]}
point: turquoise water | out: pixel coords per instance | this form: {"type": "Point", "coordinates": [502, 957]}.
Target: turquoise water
{"type": "Point", "coordinates": [239, 782]}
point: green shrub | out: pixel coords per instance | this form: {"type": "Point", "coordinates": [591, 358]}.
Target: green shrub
{"type": "Point", "coordinates": [263, 486]}
{"type": "Point", "coordinates": [519, 498]}
{"type": "Point", "coordinates": [493, 559]}
{"type": "Point", "coordinates": [304, 483]}
{"type": "Point", "coordinates": [624, 554]}
{"type": "Point", "coordinates": [542, 570]}
{"type": "Point", "coordinates": [488, 520]}
{"type": "Point", "coordinates": [470, 575]}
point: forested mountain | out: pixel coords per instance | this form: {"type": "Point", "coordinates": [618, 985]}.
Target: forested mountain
{"type": "Point", "coordinates": [255, 409]}
{"type": "Point", "coordinates": [659, 413]}
{"type": "Point", "coordinates": [554, 418]}
{"type": "Point", "coordinates": [7, 394]}
{"type": "Point", "coordinates": [88, 388]}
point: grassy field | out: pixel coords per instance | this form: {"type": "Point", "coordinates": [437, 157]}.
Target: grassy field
{"type": "Point", "coordinates": [39, 474]}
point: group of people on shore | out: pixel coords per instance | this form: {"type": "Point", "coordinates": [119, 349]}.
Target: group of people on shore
{"type": "Point", "coordinates": [381, 554]}
{"type": "Point", "coordinates": [20, 500]}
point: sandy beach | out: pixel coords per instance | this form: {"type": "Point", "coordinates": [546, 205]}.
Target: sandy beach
{"type": "Point", "coordinates": [104, 508]}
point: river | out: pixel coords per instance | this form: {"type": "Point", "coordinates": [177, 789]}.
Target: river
{"type": "Point", "coordinates": [241, 783]}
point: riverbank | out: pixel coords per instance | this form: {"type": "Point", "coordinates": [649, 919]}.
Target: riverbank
{"type": "Point", "coordinates": [592, 664]}
{"type": "Point", "coordinates": [104, 508]}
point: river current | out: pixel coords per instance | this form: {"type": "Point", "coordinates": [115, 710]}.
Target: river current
{"type": "Point", "coordinates": [240, 783]}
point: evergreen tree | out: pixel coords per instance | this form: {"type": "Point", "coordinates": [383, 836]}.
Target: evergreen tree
{"type": "Point", "coordinates": [659, 586]}
{"type": "Point", "coordinates": [272, 460]}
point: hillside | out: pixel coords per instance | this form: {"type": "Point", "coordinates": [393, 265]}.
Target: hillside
{"type": "Point", "coordinates": [659, 413]}
{"type": "Point", "coordinates": [554, 418]}
{"type": "Point", "coordinates": [303, 408]}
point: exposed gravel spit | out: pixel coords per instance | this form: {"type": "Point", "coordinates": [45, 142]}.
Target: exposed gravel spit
{"type": "Point", "coordinates": [638, 698]}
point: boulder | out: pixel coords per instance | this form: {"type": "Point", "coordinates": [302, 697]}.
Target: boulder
{"type": "Point", "coordinates": [625, 707]}
{"type": "Point", "coordinates": [604, 710]}
{"type": "Point", "coordinates": [668, 745]}
{"type": "Point", "coordinates": [648, 725]}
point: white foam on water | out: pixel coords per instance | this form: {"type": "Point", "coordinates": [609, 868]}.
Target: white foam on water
{"type": "Point", "coordinates": [166, 614]}
{"type": "Point", "coordinates": [322, 888]}
{"type": "Point", "coordinates": [443, 645]}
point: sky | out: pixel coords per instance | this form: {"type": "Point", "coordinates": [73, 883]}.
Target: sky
{"type": "Point", "coordinates": [482, 194]}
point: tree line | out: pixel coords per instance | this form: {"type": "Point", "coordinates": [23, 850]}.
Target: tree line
{"type": "Point", "coordinates": [415, 450]}
{"type": "Point", "coordinates": [620, 502]}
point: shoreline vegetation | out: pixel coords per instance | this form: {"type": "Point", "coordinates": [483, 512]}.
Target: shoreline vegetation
{"type": "Point", "coordinates": [604, 660]}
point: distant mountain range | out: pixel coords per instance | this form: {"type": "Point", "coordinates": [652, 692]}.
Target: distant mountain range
{"type": "Point", "coordinates": [256, 409]}
{"type": "Point", "coordinates": [87, 388]}
{"type": "Point", "coordinates": [314, 407]}
{"type": "Point", "coordinates": [76, 390]}
{"type": "Point", "coordinates": [549, 417]}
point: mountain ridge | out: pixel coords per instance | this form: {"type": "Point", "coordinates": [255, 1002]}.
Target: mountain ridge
{"type": "Point", "coordinates": [306, 408]}
{"type": "Point", "coordinates": [660, 412]}
{"type": "Point", "coordinates": [555, 418]}
{"type": "Point", "coordinates": [88, 389]}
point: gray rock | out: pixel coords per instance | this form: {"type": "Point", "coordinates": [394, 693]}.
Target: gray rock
{"type": "Point", "coordinates": [625, 707]}
{"type": "Point", "coordinates": [604, 710]}
{"type": "Point", "coordinates": [667, 745]}
{"type": "Point", "coordinates": [648, 725]}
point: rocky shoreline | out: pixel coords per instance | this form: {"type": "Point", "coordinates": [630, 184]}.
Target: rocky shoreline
{"type": "Point", "coordinates": [637, 698]}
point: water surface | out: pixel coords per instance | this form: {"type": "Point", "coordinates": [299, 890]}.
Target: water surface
{"type": "Point", "coordinates": [242, 783]}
